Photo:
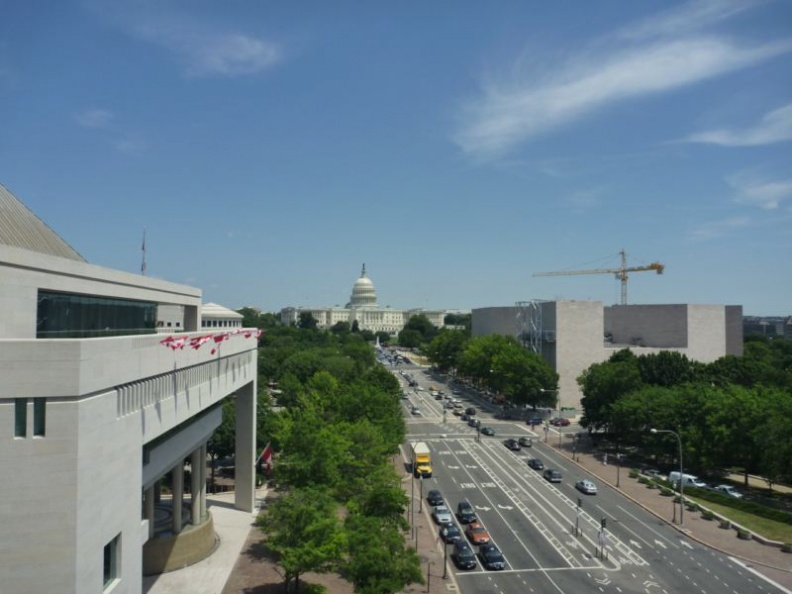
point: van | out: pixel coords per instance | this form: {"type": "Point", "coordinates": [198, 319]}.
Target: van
{"type": "Point", "coordinates": [688, 480]}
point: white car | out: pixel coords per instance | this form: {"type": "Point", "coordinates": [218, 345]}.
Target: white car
{"type": "Point", "coordinates": [729, 490]}
{"type": "Point", "coordinates": [586, 486]}
{"type": "Point", "coordinates": [442, 515]}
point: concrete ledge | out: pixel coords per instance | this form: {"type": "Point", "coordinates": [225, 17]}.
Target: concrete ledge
{"type": "Point", "coordinates": [163, 554]}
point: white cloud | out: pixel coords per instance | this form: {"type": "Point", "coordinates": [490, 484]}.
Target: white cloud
{"type": "Point", "coordinates": [130, 145]}
{"type": "Point", "coordinates": [656, 55]}
{"type": "Point", "coordinates": [761, 192]}
{"type": "Point", "coordinates": [94, 118]}
{"type": "Point", "coordinates": [717, 229]}
{"type": "Point", "coordinates": [210, 53]}
{"type": "Point", "coordinates": [775, 126]}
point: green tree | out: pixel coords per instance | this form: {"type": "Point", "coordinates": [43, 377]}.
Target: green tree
{"type": "Point", "coordinates": [341, 327]}
{"type": "Point", "coordinates": [524, 377]}
{"type": "Point", "coordinates": [307, 321]}
{"type": "Point", "coordinates": [603, 384]}
{"type": "Point", "coordinates": [303, 529]}
{"type": "Point", "coordinates": [666, 368]}
{"type": "Point", "coordinates": [421, 324]}
{"type": "Point", "coordinates": [476, 359]}
{"type": "Point", "coordinates": [445, 348]}
{"type": "Point", "coordinates": [409, 338]}
{"type": "Point", "coordinates": [355, 326]}
{"type": "Point", "coordinates": [383, 337]}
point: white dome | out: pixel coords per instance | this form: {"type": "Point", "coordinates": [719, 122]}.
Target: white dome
{"type": "Point", "coordinates": [363, 292]}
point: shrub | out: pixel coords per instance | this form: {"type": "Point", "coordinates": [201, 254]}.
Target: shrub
{"type": "Point", "coordinates": [666, 492]}
{"type": "Point", "coordinates": [725, 524]}
{"type": "Point", "coordinates": [743, 534]}
{"type": "Point", "coordinates": [643, 480]}
{"type": "Point", "coordinates": [707, 515]}
{"type": "Point", "coordinates": [651, 485]}
{"type": "Point", "coordinates": [314, 589]}
{"type": "Point", "coordinates": [633, 473]}
{"type": "Point", "coordinates": [787, 547]}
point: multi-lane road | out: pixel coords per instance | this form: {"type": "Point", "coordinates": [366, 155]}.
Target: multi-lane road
{"type": "Point", "coordinates": [534, 522]}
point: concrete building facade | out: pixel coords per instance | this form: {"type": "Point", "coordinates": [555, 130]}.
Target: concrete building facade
{"type": "Point", "coordinates": [573, 335]}
{"type": "Point", "coordinates": [97, 409]}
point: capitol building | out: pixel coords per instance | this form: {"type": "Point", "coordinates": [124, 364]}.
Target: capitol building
{"type": "Point", "coordinates": [363, 309]}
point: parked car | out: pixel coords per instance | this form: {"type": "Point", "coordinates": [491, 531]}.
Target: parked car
{"type": "Point", "coordinates": [512, 444]}
{"type": "Point", "coordinates": [586, 486]}
{"type": "Point", "coordinates": [534, 422]}
{"type": "Point", "coordinates": [465, 512]}
{"type": "Point", "coordinates": [463, 556]}
{"type": "Point", "coordinates": [654, 473]}
{"type": "Point", "coordinates": [477, 534]}
{"type": "Point", "coordinates": [553, 475]}
{"type": "Point", "coordinates": [491, 557]}
{"type": "Point", "coordinates": [441, 515]}
{"type": "Point", "coordinates": [470, 411]}
{"type": "Point", "coordinates": [473, 422]}
{"type": "Point", "coordinates": [560, 422]}
{"type": "Point", "coordinates": [435, 497]}
{"type": "Point", "coordinates": [729, 490]}
{"type": "Point", "coordinates": [465, 417]}
{"type": "Point", "coordinates": [415, 411]}
{"type": "Point", "coordinates": [525, 442]}
{"type": "Point", "coordinates": [487, 431]}
{"type": "Point", "coordinates": [536, 464]}
{"type": "Point", "coordinates": [450, 533]}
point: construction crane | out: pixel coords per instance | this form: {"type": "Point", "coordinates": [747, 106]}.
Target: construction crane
{"type": "Point", "coordinates": [621, 272]}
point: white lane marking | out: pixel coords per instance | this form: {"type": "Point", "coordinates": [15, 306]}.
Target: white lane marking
{"type": "Point", "coordinates": [760, 576]}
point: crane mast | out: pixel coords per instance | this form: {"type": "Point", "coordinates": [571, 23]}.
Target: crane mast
{"type": "Point", "coordinates": [620, 272]}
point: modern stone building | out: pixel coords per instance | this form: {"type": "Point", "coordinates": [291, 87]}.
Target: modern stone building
{"type": "Point", "coordinates": [98, 410]}
{"type": "Point", "coordinates": [363, 309]}
{"type": "Point", "coordinates": [572, 335]}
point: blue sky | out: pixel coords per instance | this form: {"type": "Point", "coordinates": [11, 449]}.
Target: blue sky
{"type": "Point", "coordinates": [270, 148]}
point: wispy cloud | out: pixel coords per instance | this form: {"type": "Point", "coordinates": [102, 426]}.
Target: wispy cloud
{"type": "Point", "coordinates": [129, 145]}
{"type": "Point", "coordinates": [718, 229]}
{"type": "Point", "coordinates": [205, 53]}
{"type": "Point", "coordinates": [761, 192]}
{"type": "Point", "coordinates": [507, 114]}
{"type": "Point", "coordinates": [94, 118]}
{"type": "Point", "coordinates": [775, 126]}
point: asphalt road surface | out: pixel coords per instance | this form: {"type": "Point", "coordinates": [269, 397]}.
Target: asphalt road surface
{"type": "Point", "coordinates": [551, 534]}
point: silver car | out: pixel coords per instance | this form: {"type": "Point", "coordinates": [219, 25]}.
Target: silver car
{"type": "Point", "coordinates": [586, 486]}
{"type": "Point", "coordinates": [442, 515]}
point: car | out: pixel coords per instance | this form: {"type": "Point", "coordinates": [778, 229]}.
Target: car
{"type": "Point", "coordinates": [442, 515]}
{"type": "Point", "coordinates": [463, 556]}
{"type": "Point", "coordinates": [525, 442]}
{"type": "Point", "coordinates": [491, 557]}
{"type": "Point", "coordinates": [465, 512]}
{"type": "Point", "coordinates": [455, 391]}
{"type": "Point", "coordinates": [536, 464]}
{"type": "Point", "coordinates": [473, 422]}
{"type": "Point", "coordinates": [586, 486]}
{"type": "Point", "coordinates": [487, 431]}
{"type": "Point", "coordinates": [457, 412]}
{"type": "Point", "coordinates": [477, 534]}
{"type": "Point", "coordinates": [729, 490]}
{"type": "Point", "coordinates": [438, 397]}
{"type": "Point", "coordinates": [405, 396]}
{"type": "Point", "coordinates": [415, 411]}
{"type": "Point", "coordinates": [465, 417]}
{"type": "Point", "coordinates": [560, 422]}
{"type": "Point", "coordinates": [654, 473]}
{"type": "Point", "coordinates": [553, 475]}
{"type": "Point", "coordinates": [450, 533]}
{"type": "Point", "coordinates": [458, 405]}
{"type": "Point", "coordinates": [470, 411]}
{"type": "Point", "coordinates": [534, 422]}
{"type": "Point", "coordinates": [512, 444]}
{"type": "Point", "coordinates": [435, 497]}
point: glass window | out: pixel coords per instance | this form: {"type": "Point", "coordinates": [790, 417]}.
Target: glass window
{"type": "Point", "coordinates": [66, 315]}
{"type": "Point", "coordinates": [112, 551]}
{"type": "Point", "coordinates": [39, 416]}
{"type": "Point", "coordinates": [20, 417]}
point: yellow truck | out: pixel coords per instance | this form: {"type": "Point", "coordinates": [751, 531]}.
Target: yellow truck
{"type": "Point", "coordinates": [421, 460]}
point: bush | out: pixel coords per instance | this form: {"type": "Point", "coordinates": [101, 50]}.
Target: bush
{"type": "Point", "coordinates": [633, 473]}
{"type": "Point", "coordinates": [643, 480]}
{"type": "Point", "coordinates": [747, 506]}
{"type": "Point", "coordinates": [725, 524]}
{"type": "Point", "coordinates": [651, 485]}
{"type": "Point", "coordinates": [787, 547]}
{"type": "Point", "coordinates": [743, 534]}
{"type": "Point", "coordinates": [666, 492]}
{"type": "Point", "coordinates": [707, 515]}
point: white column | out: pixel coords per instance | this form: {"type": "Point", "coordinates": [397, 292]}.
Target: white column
{"type": "Point", "coordinates": [202, 497]}
{"type": "Point", "coordinates": [195, 485]}
{"type": "Point", "coordinates": [245, 456]}
{"type": "Point", "coordinates": [149, 509]}
{"type": "Point", "coordinates": [177, 475]}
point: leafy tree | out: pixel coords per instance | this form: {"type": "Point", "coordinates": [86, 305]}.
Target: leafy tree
{"type": "Point", "coordinates": [384, 337]}
{"type": "Point", "coordinates": [666, 368]}
{"type": "Point", "coordinates": [524, 377]}
{"type": "Point", "coordinates": [378, 562]}
{"type": "Point", "coordinates": [367, 335]}
{"type": "Point", "coordinates": [476, 360]}
{"type": "Point", "coordinates": [603, 384]}
{"type": "Point", "coordinates": [303, 529]}
{"type": "Point", "coordinates": [445, 348]}
{"type": "Point", "coordinates": [463, 320]}
{"type": "Point", "coordinates": [355, 326]}
{"type": "Point", "coordinates": [307, 321]}
{"type": "Point", "coordinates": [409, 338]}
{"type": "Point", "coordinates": [421, 324]}
{"type": "Point", "coordinates": [341, 327]}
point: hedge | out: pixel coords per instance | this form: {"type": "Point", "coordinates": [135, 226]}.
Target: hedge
{"type": "Point", "coordinates": [746, 506]}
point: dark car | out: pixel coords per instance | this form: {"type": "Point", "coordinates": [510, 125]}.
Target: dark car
{"type": "Point", "coordinates": [463, 555]}
{"type": "Point", "coordinates": [473, 422]}
{"type": "Point", "coordinates": [525, 442]}
{"type": "Point", "coordinates": [450, 533]}
{"type": "Point", "coordinates": [487, 431]}
{"type": "Point", "coordinates": [465, 417]}
{"type": "Point", "coordinates": [560, 422]}
{"type": "Point", "coordinates": [435, 497]}
{"type": "Point", "coordinates": [512, 444]}
{"type": "Point", "coordinates": [553, 475]}
{"type": "Point", "coordinates": [491, 557]}
{"type": "Point", "coordinates": [465, 512]}
{"type": "Point", "coordinates": [536, 464]}
{"type": "Point", "coordinates": [534, 422]}
{"type": "Point", "coordinates": [470, 411]}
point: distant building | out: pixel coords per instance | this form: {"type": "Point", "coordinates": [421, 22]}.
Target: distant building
{"type": "Point", "coordinates": [363, 309]}
{"type": "Point", "coordinates": [572, 335]}
{"type": "Point", "coordinates": [770, 326]}
{"type": "Point", "coordinates": [97, 407]}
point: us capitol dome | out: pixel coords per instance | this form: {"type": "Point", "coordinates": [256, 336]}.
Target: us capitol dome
{"type": "Point", "coordinates": [363, 309]}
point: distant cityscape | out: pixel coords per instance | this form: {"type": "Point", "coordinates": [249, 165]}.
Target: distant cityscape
{"type": "Point", "coordinates": [769, 326]}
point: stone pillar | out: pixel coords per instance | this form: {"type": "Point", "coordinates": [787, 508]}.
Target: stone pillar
{"type": "Point", "coordinates": [149, 509]}
{"type": "Point", "coordinates": [195, 485]}
{"type": "Point", "coordinates": [202, 498]}
{"type": "Point", "coordinates": [245, 457]}
{"type": "Point", "coordinates": [177, 475]}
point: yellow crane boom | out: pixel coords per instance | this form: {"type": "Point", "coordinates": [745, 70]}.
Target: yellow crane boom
{"type": "Point", "coordinates": [621, 272]}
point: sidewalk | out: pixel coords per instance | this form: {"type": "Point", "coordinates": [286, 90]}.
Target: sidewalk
{"type": "Point", "coordinates": [768, 560]}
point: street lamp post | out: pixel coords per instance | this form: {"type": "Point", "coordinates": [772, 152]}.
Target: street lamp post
{"type": "Point", "coordinates": [445, 560]}
{"type": "Point", "coordinates": [681, 471]}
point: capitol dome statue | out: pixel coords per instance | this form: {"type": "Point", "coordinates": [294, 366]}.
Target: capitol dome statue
{"type": "Point", "coordinates": [363, 293]}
